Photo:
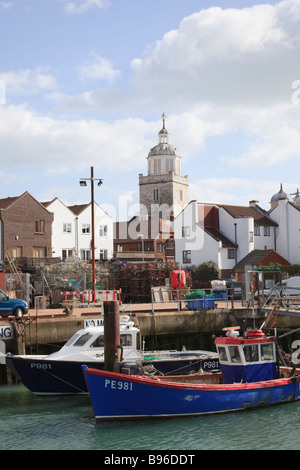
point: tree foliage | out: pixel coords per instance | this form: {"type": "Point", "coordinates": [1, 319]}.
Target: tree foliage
{"type": "Point", "coordinates": [208, 270]}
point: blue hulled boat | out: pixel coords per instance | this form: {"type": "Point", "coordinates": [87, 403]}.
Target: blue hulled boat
{"type": "Point", "coordinates": [250, 377]}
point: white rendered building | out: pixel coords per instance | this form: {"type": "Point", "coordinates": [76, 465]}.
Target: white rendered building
{"type": "Point", "coordinates": [221, 233]}
{"type": "Point", "coordinates": [72, 231]}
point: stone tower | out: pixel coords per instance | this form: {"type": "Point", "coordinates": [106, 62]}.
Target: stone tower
{"type": "Point", "coordinates": [163, 192]}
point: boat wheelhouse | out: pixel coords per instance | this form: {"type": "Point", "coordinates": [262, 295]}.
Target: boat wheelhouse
{"type": "Point", "coordinates": [248, 358]}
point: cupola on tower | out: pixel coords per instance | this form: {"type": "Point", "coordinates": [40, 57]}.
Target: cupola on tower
{"type": "Point", "coordinates": [163, 192]}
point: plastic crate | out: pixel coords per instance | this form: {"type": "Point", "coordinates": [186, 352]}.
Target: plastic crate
{"type": "Point", "coordinates": [204, 304]}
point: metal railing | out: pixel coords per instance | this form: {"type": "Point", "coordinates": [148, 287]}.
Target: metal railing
{"type": "Point", "coordinates": [188, 299]}
{"type": "Point", "coordinates": [289, 298]}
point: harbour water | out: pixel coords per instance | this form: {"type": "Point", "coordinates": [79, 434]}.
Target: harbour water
{"type": "Point", "coordinates": [28, 422]}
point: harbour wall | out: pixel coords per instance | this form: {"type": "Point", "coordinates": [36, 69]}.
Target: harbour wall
{"type": "Point", "coordinates": [47, 333]}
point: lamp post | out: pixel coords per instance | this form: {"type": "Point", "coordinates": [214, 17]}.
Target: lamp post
{"type": "Point", "coordinates": [83, 182]}
{"type": "Point", "coordinates": [142, 237]}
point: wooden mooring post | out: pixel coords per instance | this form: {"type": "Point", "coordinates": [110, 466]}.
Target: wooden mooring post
{"type": "Point", "coordinates": [111, 333]}
{"type": "Point", "coordinates": [19, 336]}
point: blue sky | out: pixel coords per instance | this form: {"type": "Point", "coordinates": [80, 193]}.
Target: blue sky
{"type": "Point", "coordinates": [84, 83]}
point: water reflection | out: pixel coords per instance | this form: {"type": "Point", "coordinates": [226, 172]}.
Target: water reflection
{"type": "Point", "coordinates": [67, 423]}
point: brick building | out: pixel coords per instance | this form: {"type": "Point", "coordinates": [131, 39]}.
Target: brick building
{"type": "Point", "coordinates": [25, 230]}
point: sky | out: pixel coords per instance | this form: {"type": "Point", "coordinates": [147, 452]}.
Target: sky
{"type": "Point", "coordinates": [84, 83]}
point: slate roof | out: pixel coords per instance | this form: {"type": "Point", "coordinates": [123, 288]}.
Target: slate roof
{"type": "Point", "coordinates": [259, 215]}
{"type": "Point", "coordinates": [219, 236]}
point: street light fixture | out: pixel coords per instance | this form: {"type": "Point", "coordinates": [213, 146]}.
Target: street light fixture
{"type": "Point", "coordinates": [83, 182]}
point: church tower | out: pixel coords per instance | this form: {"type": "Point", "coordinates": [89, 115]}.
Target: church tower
{"type": "Point", "coordinates": [163, 192]}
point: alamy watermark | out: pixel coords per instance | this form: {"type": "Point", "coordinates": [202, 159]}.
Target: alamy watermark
{"type": "Point", "coordinates": [2, 92]}
{"type": "Point", "coordinates": [296, 94]}
{"type": "Point", "coordinates": [296, 354]}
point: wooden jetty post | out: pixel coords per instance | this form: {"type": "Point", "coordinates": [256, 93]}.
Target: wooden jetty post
{"type": "Point", "coordinates": [111, 333]}
{"type": "Point", "coordinates": [19, 336]}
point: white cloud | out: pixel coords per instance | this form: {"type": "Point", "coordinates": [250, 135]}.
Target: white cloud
{"type": "Point", "coordinates": [81, 6]}
{"type": "Point", "coordinates": [229, 56]}
{"type": "Point", "coordinates": [27, 82]}
{"type": "Point", "coordinates": [96, 68]}
{"type": "Point", "coordinates": [48, 142]}
{"type": "Point", "coordinates": [6, 5]}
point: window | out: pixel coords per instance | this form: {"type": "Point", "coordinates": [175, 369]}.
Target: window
{"type": "Point", "coordinates": [155, 195]}
{"type": "Point", "coordinates": [119, 247]}
{"type": "Point", "coordinates": [39, 252]}
{"type": "Point", "coordinates": [39, 226]}
{"type": "Point", "coordinates": [85, 228]}
{"type": "Point", "coordinates": [186, 256]}
{"type": "Point", "coordinates": [103, 255]}
{"type": "Point", "coordinates": [85, 254]}
{"type": "Point", "coordinates": [170, 245]}
{"type": "Point", "coordinates": [251, 353]}
{"type": "Point", "coordinates": [16, 252]}
{"type": "Point", "coordinates": [103, 231]}
{"type": "Point", "coordinates": [234, 354]}
{"type": "Point", "coordinates": [157, 166]}
{"type": "Point", "coordinates": [83, 339]}
{"type": "Point", "coordinates": [99, 342]}
{"type": "Point", "coordinates": [266, 230]}
{"type": "Point", "coordinates": [67, 228]}
{"type": "Point", "coordinates": [231, 253]}
{"type": "Point", "coordinates": [222, 353]}
{"type": "Point", "coordinates": [267, 352]}
{"type": "Point", "coordinates": [159, 247]}
{"type": "Point", "coordinates": [66, 254]}
{"type": "Point", "coordinates": [3, 296]}
{"type": "Point", "coordinates": [186, 231]}
{"type": "Point", "coordinates": [256, 230]}
{"type": "Point", "coordinates": [126, 340]}
{"type": "Point", "coordinates": [250, 237]}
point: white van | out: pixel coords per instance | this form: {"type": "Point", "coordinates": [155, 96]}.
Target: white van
{"type": "Point", "coordinates": [291, 283]}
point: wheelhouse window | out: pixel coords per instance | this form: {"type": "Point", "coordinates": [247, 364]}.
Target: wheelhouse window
{"type": "Point", "coordinates": [222, 353]}
{"type": "Point", "coordinates": [251, 353]}
{"type": "Point", "coordinates": [83, 339]}
{"type": "Point", "coordinates": [267, 352]}
{"type": "Point", "coordinates": [99, 342]}
{"type": "Point", "coordinates": [234, 354]}
{"type": "Point", "coordinates": [126, 340]}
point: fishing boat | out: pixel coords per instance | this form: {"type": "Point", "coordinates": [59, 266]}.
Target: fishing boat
{"type": "Point", "coordinates": [249, 377]}
{"type": "Point", "coordinates": [61, 372]}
